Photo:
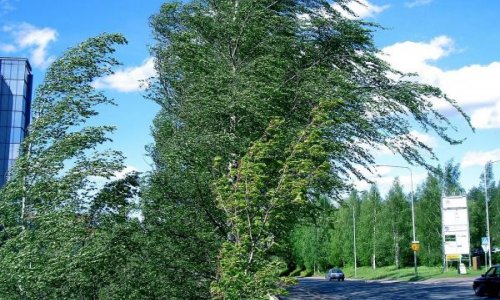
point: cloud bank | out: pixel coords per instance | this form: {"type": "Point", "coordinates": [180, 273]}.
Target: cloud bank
{"type": "Point", "coordinates": [479, 158]}
{"type": "Point", "coordinates": [474, 87]}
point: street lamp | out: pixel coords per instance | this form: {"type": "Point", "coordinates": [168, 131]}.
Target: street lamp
{"type": "Point", "coordinates": [354, 238]}
{"type": "Point", "coordinates": [412, 212]}
{"type": "Point", "coordinates": [352, 206]}
{"type": "Point", "coordinates": [487, 209]}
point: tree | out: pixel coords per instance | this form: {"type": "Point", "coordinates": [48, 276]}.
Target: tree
{"type": "Point", "coordinates": [310, 239]}
{"type": "Point", "coordinates": [370, 228]}
{"type": "Point", "coordinates": [477, 215]}
{"type": "Point", "coordinates": [494, 212]}
{"type": "Point", "coordinates": [398, 220]}
{"type": "Point", "coordinates": [263, 111]}
{"type": "Point", "coordinates": [428, 218]}
{"type": "Point", "coordinates": [451, 179]}
{"type": "Point", "coordinates": [479, 212]}
{"type": "Point", "coordinates": [45, 253]}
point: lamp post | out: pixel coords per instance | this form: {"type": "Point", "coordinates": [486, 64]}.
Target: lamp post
{"type": "Point", "coordinates": [487, 209]}
{"type": "Point", "coordinates": [352, 207]}
{"type": "Point", "coordinates": [354, 238]}
{"type": "Point", "coordinates": [412, 212]}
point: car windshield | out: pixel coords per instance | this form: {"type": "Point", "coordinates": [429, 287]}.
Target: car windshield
{"type": "Point", "coordinates": [336, 271]}
{"type": "Point", "coordinates": [491, 272]}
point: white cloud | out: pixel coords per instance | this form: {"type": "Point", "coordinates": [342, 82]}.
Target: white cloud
{"type": "Point", "coordinates": [471, 86]}
{"type": "Point", "coordinates": [487, 117]}
{"type": "Point", "coordinates": [33, 39]}
{"type": "Point", "coordinates": [418, 3]}
{"type": "Point", "coordinates": [129, 79]}
{"type": "Point", "coordinates": [384, 176]}
{"type": "Point", "coordinates": [416, 57]}
{"type": "Point", "coordinates": [479, 158]}
{"type": "Point", "coordinates": [362, 9]}
{"type": "Point", "coordinates": [121, 174]}
{"type": "Point", "coordinates": [427, 139]}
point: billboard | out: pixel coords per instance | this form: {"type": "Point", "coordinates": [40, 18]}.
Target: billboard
{"type": "Point", "coordinates": [455, 226]}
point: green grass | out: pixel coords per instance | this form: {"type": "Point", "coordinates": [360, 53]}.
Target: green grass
{"type": "Point", "coordinates": [406, 274]}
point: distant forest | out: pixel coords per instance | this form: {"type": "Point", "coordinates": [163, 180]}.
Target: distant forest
{"type": "Point", "coordinates": [383, 225]}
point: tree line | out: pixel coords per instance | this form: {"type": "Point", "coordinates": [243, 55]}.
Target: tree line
{"type": "Point", "coordinates": [267, 108]}
{"type": "Point", "coordinates": [383, 226]}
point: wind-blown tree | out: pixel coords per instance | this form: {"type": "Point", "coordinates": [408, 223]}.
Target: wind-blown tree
{"type": "Point", "coordinates": [42, 208]}
{"type": "Point", "coordinates": [428, 220]}
{"type": "Point", "coordinates": [265, 105]}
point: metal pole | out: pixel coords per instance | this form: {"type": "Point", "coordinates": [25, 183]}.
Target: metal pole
{"type": "Point", "coordinates": [487, 209]}
{"type": "Point", "coordinates": [487, 214]}
{"type": "Point", "coordinates": [412, 212]}
{"type": "Point", "coordinates": [354, 239]}
{"type": "Point", "coordinates": [413, 222]}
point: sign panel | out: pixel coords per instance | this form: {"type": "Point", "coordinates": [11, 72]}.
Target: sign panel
{"type": "Point", "coordinates": [455, 226]}
{"type": "Point", "coordinates": [485, 244]}
{"type": "Point", "coordinates": [415, 246]}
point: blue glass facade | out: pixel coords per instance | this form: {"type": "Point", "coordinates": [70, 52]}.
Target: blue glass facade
{"type": "Point", "coordinates": [15, 106]}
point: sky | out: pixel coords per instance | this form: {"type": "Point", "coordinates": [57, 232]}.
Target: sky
{"type": "Point", "coordinates": [451, 44]}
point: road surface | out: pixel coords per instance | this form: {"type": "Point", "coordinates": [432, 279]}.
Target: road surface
{"type": "Point", "coordinates": [320, 288]}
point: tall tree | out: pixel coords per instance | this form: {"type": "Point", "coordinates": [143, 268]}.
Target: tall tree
{"type": "Point", "coordinates": [495, 219]}
{"type": "Point", "coordinates": [477, 215]}
{"type": "Point", "coordinates": [477, 205]}
{"type": "Point", "coordinates": [44, 253]}
{"type": "Point", "coordinates": [265, 105]}
{"type": "Point", "coordinates": [370, 228]}
{"type": "Point", "coordinates": [398, 220]}
{"type": "Point", "coordinates": [428, 219]}
{"type": "Point", "coordinates": [311, 238]}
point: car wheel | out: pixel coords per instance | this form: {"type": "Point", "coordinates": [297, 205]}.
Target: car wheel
{"type": "Point", "coordinates": [479, 290]}
{"type": "Point", "coordinates": [329, 278]}
{"type": "Point", "coordinates": [342, 279]}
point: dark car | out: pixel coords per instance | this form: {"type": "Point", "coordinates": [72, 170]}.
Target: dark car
{"type": "Point", "coordinates": [478, 252]}
{"type": "Point", "coordinates": [488, 283]}
{"type": "Point", "coordinates": [335, 273]}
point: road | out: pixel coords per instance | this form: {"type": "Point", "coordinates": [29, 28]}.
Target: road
{"type": "Point", "coordinates": [319, 288]}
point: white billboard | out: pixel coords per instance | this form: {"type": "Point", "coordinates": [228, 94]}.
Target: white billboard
{"type": "Point", "coordinates": [455, 222]}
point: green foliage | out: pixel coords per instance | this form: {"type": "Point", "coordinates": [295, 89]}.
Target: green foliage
{"type": "Point", "coordinates": [49, 249]}
{"type": "Point", "coordinates": [262, 114]}
{"type": "Point", "coordinates": [370, 228]}
{"type": "Point", "coordinates": [428, 221]}
{"type": "Point", "coordinates": [450, 178]}
{"type": "Point", "coordinates": [397, 217]}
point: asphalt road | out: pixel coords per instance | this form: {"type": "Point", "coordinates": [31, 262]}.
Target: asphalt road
{"type": "Point", "coordinates": [320, 288]}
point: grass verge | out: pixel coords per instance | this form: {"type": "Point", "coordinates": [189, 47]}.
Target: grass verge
{"type": "Point", "coordinates": [406, 274]}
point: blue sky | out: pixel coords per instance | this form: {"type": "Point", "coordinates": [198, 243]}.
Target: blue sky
{"type": "Point", "coordinates": [452, 44]}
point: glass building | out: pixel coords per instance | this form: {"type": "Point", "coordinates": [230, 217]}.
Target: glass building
{"type": "Point", "coordinates": [15, 104]}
